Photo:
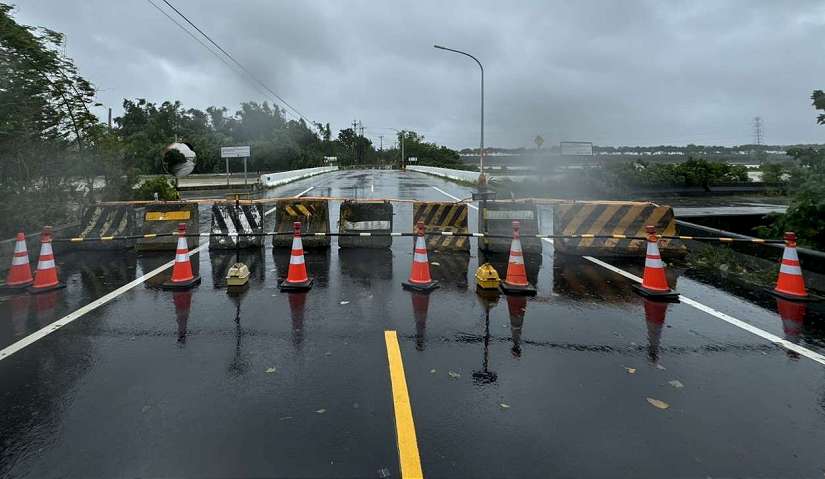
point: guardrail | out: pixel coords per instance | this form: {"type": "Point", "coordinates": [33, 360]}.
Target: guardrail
{"type": "Point", "coordinates": [276, 179]}
{"type": "Point", "coordinates": [458, 175]}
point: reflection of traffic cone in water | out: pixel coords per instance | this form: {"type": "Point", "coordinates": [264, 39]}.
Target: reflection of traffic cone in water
{"type": "Point", "coordinates": [296, 278]}
{"type": "Point", "coordinates": [297, 301]}
{"type": "Point", "coordinates": [420, 279]}
{"type": "Point", "coordinates": [44, 307]}
{"type": "Point", "coordinates": [517, 306]}
{"type": "Point", "coordinates": [183, 303]}
{"type": "Point", "coordinates": [793, 316]}
{"type": "Point", "coordinates": [420, 305]}
{"type": "Point", "coordinates": [19, 313]}
{"type": "Point", "coordinates": [655, 312]}
{"type": "Point", "coordinates": [654, 283]}
{"type": "Point", "coordinates": [516, 280]}
{"type": "Point", "coordinates": [790, 284]}
{"type": "Point", "coordinates": [45, 278]}
{"type": "Point", "coordinates": [20, 274]}
{"type": "Point", "coordinates": [182, 276]}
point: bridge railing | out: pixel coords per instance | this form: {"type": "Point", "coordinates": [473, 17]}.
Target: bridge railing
{"type": "Point", "coordinates": [275, 179]}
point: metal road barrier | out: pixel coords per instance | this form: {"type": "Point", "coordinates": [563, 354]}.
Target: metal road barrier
{"type": "Point", "coordinates": [162, 218]}
{"type": "Point", "coordinates": [443, 217]}
{"type": "Point", "coordinates": [313, 216]}
{"type": "Point", "coordinates": [365, 216]}
{"type": "Point", "coordinates": [231, 222]}
{"type": "Point", "coordinates": [616, 228]}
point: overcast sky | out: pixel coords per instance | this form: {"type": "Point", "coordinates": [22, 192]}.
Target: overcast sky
{"type": "Point", "coordinates": [612, 72]}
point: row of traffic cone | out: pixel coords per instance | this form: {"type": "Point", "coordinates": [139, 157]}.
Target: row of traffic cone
{"type": "Point", "coordinates": [789, 284]}
{"type": "Point", "coordinates": [45, 278]}
{"type": "Point", "coordinates": [514, 283]}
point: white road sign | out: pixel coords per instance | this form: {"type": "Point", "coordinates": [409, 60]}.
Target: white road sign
{"type": "Point", "coordinates": [235, 152]}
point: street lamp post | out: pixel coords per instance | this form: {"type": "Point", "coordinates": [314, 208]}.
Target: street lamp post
{"type": "Point", "coordinates": [481, 179]}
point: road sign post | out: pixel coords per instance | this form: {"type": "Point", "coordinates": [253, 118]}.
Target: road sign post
{"type": "Point", "coordinates": [228, 152]}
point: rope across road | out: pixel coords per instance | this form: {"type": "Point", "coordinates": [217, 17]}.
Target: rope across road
{"type": "Point", "coordinates": [80, 239]}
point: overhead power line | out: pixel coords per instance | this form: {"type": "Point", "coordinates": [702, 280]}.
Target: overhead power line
{"type": "Point", "coordinates": [243, 68]}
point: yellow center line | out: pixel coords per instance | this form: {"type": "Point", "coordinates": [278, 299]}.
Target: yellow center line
{"type": "Point", "coordinates": [404, 426]}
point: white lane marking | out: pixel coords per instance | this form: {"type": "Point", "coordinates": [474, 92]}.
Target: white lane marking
{"type": "Point", "coordinates": [813, 355]}
{"type": "Point", "coordinates": [305, 192]}
{"type": "Point", "coordinates": [267, 212]}
{"type": "Point", "coordinates": [78, 313]}
{"type": "Point", "coordinates": [453, 197]}
{"type": "Point", "coordinates": [71, 317]}
{"type": "Point", "coordinates": [754, 330]}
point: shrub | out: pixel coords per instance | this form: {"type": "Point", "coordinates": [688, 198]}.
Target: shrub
{"type": "Point", "coordinates": [159, 185]}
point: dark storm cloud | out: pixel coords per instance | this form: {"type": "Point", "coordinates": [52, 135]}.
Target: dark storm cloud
{"type": "Point", "coordinates": [644, 72]}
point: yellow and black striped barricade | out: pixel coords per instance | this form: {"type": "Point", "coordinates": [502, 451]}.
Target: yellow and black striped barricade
{"type": "Point", "coordinates": [237, 226]}
{"type": "Point", "coordinates": [365, 216]}
{"type": "Point", "coordinates": [314, 218]}
{"type": "Point", "coordinates": [162, 218]}
{"type": "Point", "coordinates": [111, 223]}
{"type": "Point", "coordinates": [498, 216]}
{"type": "Point", "coordinates": [617, 219]}
{"type": "Point", "coordinates": [439, 217]}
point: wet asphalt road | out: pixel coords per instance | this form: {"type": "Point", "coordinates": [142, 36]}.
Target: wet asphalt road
{"type": "Point", "coordinates": [201, 384]}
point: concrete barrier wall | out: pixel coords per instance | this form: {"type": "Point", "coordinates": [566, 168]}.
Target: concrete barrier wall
{"type": "Point", "coordinates": [458, 175]}
{"type": "Point", "coordinates": [276, 179]}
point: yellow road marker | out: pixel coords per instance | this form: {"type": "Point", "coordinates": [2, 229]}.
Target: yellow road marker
{"type": "Point", "coordinates": [404, 426]}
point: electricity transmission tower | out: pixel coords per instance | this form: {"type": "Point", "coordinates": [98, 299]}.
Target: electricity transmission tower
{"type": "Point", "coordinates": [758, 131]}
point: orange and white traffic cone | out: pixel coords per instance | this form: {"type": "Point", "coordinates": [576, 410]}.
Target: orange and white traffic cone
{"type": "Point", "coordinates": [45, 278]}
{"type": "Point", "coordinates": [296, 277]}
{"type": "Point", "coordinates": [420, 279]}
{"type": "Point", "coordinates": [516, 280]}
{"type": "Point", "coordinates": [20, 274]}
{"type": "Point", "coordinates": [654, 283]}
{"type": "Point", "coordinates": [790, 284]}
{"type": "Point", "coordinates": [182, 276]}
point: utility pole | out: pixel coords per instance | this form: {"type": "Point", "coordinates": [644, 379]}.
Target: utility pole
{"type": "Point", "coordinates": [758, 131]}
{"type": "Point", "coordinates": [381, 138]}
{"type": "Point", "coordinates": [354, 141]}
{"type": "Point", "coordinates": [110, 118]}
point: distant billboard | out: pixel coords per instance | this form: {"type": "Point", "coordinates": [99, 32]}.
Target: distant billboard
{"type": "Point", "coordinates": [576, 148]}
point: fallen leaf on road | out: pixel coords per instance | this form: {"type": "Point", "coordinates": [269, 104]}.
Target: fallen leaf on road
{"type": "Point", "coordinates": [676, 383]}
{"type": "Point", "coordinates": [454, 374]}
{"type": "Point", "coordinates": [344, 302]}
{"type": "Point", "coordinates": [630, 370]}
{"type": "Point", "coordinates": [504, 406]}
{"type": "Point", "coordinates": [657, 403]}
{"type": "Point", "coordinates": [321, 411]}
{"type": "Point", "coordinates": [270, 370]}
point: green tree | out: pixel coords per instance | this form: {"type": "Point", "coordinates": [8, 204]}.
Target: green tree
{"type": "Point", "coordinates": [47, 132]}
{"type": "Point", "coordinates": [806, 211]}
